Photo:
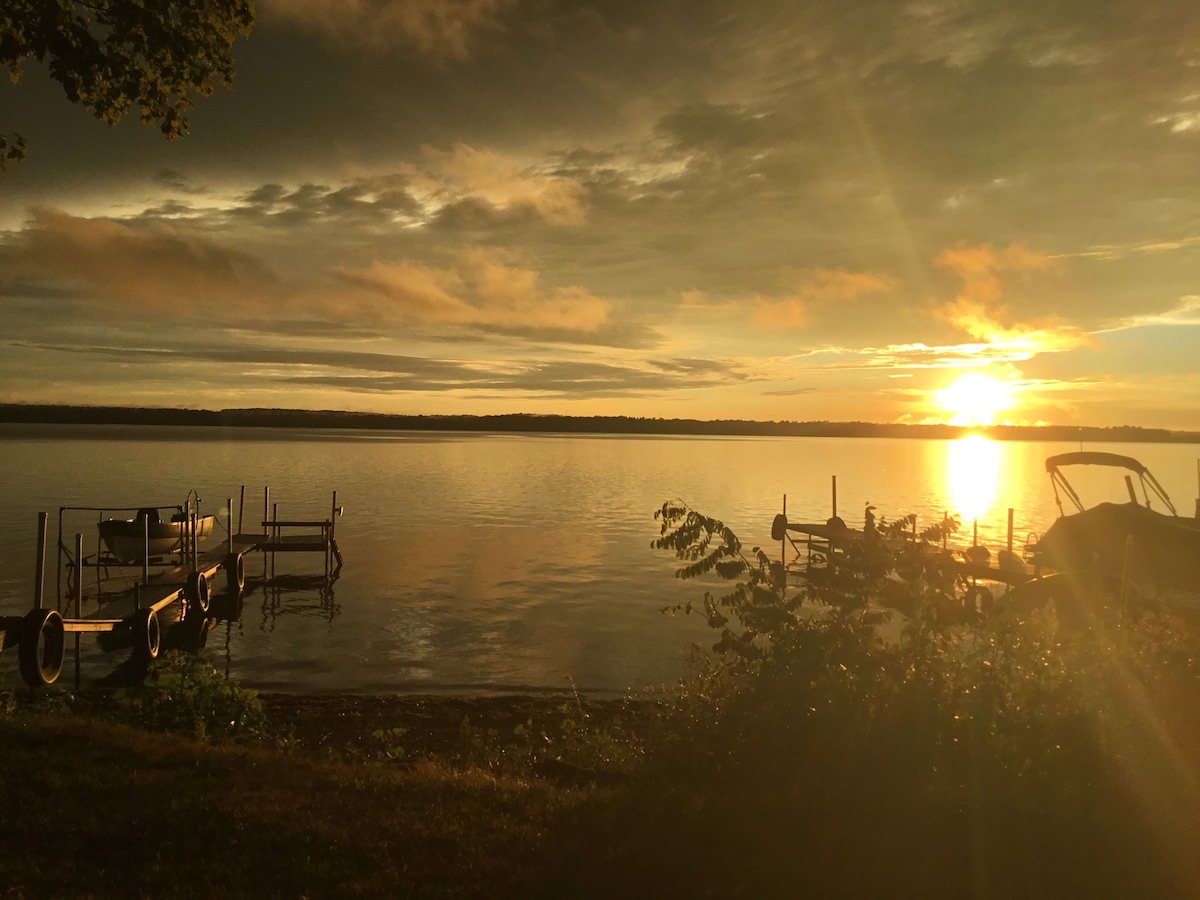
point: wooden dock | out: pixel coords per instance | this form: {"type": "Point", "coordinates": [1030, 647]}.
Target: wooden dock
{"type": "Point", "coordinates": [138, 600]}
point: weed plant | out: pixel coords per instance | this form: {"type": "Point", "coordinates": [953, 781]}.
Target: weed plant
{"type": "Point", "coordinates": [183, 692]}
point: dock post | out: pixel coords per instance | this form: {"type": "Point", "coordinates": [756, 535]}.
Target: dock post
{"type": "Point", "coordinates": [146, 549]}
{"type": "Point", "coordinates": [327, 533]}
{"type": "Point", "coordinates": [783, 545]}
{"type": "Point", "coordinates": [241, 510]}
{"type": "Point", "coordinates": [274, 536]}
{"type": "Point", "coordinates": [1010, 528]}
{"type": "Point", "coordinates": [266, 507]}
{"type": "Point", "coordinates": [58, 569]}
{"type": "Point", "coordinates": [229, 511]}
{"type": "Point", "coordinates": [39, 582]}
{"type": "Point", "coordinates": [78, 597]}
{"type": "Point", "coordinates": [835, 496]}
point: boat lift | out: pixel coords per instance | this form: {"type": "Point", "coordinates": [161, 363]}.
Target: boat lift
{"type": "Point", "coordinates": [174, 587]}
{"type": "Point", "coordinates": [807, 548]}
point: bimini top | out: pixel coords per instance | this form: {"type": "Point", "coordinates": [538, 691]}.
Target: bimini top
{"type": "Point", "coordinates": [1095, 458]}
{"type": "Point", "coordinates": [1149, 483]}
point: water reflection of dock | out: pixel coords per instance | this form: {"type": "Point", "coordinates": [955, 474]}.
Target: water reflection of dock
{"type": "Point", "coordinates": [161, 596]}
{"type": "Point", "coordinates": [296, 595]}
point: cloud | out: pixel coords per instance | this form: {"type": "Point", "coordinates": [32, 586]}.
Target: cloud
{"type": "Point", "coordinates": [158, 268]}
{"type": "Point", "coordinates": [1185, 312]}
{"type": "Point", "coordinates": [483, 292]}
{"type": "Point", "coordinates": [466, 172]}
{"type": "Point", "coordinates": [368, 372]}
{"type": "Point", "coordinates": [818, 288]}
{"type": "Point", "coordinates": [367, 201]}
{"type": "Point", "coordinates": [442, 30]}
{"type": "Point", "coordinates": [169, 271]}
{"type": "Point", "coordinates": [1180, 122]}
{"type": "Point", "coordinates": [979, 310]}
{"type": "Point", "coordinates": [912, 356]}
{"type": "Point", "coordinates": [443, 183]}
{"type": "Point", "coordinates": [561, 378]}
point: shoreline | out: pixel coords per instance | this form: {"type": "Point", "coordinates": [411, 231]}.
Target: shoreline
{"type": "Point", "coordinates": [524, 423]}
{"type": "Point", "coordinates": [435, 724]}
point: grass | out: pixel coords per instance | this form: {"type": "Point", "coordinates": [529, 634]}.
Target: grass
{"type": "Point", "coordinates": [95, 809]}
{"type": "Point", "coordinates": [326, 805]}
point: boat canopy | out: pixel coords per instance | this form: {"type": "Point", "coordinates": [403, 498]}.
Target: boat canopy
{"type": "Point", "coordinates": [1149, 483]}
{"type": "Point", "coordinates": [1095, 458]}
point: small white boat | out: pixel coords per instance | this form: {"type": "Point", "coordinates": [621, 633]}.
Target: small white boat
{"type": "Point", "coordinates": [127, 541]}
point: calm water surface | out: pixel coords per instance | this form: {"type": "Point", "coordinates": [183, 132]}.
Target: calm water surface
{"type": "Point", "coordinates": [502, 562]}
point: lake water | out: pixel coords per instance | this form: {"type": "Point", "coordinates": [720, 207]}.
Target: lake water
{"type": "Point", "coordinates": [501, 562]}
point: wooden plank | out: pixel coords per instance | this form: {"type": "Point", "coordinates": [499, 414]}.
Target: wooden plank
{"type": "Point", "coordinates": [121, 605]}
{"type": "Point", "coordinates": [91, 626]}
{"type": "Point", "coordinates": [278, 523]}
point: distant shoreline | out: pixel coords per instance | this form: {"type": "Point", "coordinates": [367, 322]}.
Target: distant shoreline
{"type": "Point", "coordinates": [34, 414]}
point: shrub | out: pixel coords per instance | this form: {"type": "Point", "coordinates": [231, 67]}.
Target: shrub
{"type": "Point", "coordinates": [971, 693]}
{"type": "Point", "coordinates": [183, 692]}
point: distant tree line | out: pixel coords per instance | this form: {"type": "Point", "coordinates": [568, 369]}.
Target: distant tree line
{"type": "Point", "coordinates": [525, 422]}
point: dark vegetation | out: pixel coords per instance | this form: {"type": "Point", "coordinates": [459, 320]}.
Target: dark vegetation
{"type": "Point", "coordinates": [520, 422]}
{"type": "Point", "coordinates": [112, 55]}
{"type": "Point", "coordinates": [992, 751]}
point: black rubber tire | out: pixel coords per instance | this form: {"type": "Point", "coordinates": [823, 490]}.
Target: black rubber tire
{"type": "Point", "coordinates": [147, 633]}
{"type": "Point", "coordinates": [196, 594]}
{"type": "Point", "coordinates": [235, 573]}
{"type": "Point", "coordinates": [42, 647]}
{"type": "Point", "coordinates": [779, 527]}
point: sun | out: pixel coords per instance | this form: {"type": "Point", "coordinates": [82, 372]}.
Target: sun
{"type": "Point", "coordinates": [976, 399]}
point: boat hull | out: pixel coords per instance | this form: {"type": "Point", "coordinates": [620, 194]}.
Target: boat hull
{"type": "Point", "coordinates": [125, 541]}
{"type": "Point", "coordinates": [1156, 551]}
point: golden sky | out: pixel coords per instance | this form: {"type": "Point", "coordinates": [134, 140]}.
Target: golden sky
{"type": "Point", "coordinates": [765, 210]}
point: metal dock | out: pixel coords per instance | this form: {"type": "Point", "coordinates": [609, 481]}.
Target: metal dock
{"type": "Point", "coordinates": [148, 599]}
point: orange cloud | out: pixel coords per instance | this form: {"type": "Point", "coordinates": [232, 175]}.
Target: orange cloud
{"type": "Point", "coordinates": [819, 287]}
{"type": "Point", "coordinates": [168, 271]}
{"type": "Point", "coordinates": [504, 184]}
{"type": "Point", "coordinates": [979, 310]}
{"type": "Point", "coordinates": [160, 267]}
{"type": "Point", "coordinates": [482, 292]}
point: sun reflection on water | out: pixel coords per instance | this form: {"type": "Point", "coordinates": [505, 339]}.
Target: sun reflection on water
{"type": "Point", "coordinates": [974, 476]}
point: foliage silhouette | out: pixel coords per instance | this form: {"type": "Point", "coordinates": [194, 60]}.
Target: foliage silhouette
{"type": "Point", "coordinates": [109, 55]}
{"type": "Point", "coordinates": [803, 706]}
